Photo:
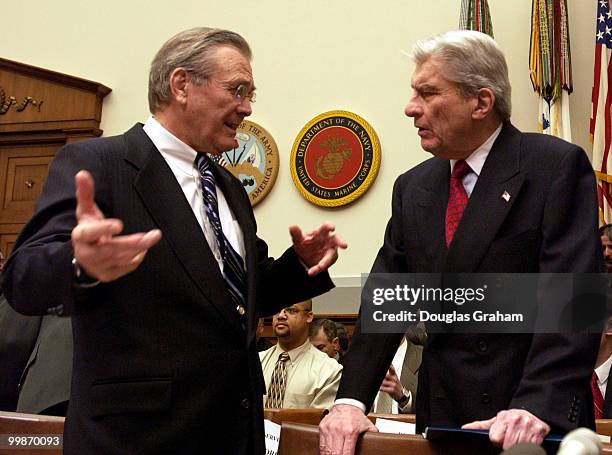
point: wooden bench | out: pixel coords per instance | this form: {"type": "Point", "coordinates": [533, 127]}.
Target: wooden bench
{"type": "Point", "coordinates": [304, 439]}
{"type": "Point", "coordinates": [13, 423]}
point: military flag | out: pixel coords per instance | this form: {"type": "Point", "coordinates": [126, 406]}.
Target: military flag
{"type": "Point", "coordinates": [475, 15]}
{"type": "Point", "coordinates": [550, 65]}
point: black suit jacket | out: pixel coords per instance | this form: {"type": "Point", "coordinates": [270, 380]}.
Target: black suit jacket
{"type": "Point", "coordinates": [161, 361]}
{"type": "Point", "coordinates": [548, 225]}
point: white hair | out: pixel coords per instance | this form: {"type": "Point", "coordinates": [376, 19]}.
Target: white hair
{"type": "Point", "coordinates": [472, 60]}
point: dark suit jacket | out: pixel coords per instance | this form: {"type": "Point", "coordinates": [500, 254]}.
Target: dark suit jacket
{"type": "Point", "coordinates": [161, 361]}
{"type": "Point", "coordinates": [548, 225]}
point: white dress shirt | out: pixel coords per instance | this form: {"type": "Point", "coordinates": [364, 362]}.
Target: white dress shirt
{"type": "Point", "coordinates": [602, 372]}
{"type": "Point", "coordinates": [476, 161]}
{"type": "Point", "coordinates": [181, 158]}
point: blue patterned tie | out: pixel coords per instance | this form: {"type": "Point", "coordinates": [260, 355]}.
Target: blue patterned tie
{"type": "Point", "coordinates": [233, 266]}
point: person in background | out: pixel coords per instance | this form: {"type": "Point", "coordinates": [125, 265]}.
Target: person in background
{"type": "Point", "coordinates": [262, 343]}
{"type": "Point", "coordinates": [324, 336]}
{"type": "Point", "coordinates": [297, 374]}
{"type": "Point", "coordinates": [343, 338]}
{"type": "Point", "coordinates": [605, 234]}
{"type": "Point", "coordinates": [398, 391]}
{"type": "Point", "coordinates": [17, 337]}
{"type": "Point", "coordinates": [36, 359]}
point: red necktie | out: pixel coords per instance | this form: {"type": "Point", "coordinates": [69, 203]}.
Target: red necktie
{"type": "Point", "coordinates": [598, 400]}
{"type": "Point", "coordinates": [457, 199]}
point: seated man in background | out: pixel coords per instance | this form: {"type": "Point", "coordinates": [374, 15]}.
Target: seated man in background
{"type": "Point", "coordinates": [297, 374]}
{"type": "Point", "coordinates": [324, 336]}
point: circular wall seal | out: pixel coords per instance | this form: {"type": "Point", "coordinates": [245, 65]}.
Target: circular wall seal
{"type": "Point", "coordinates": [254, 162]}
{"type": "Point", "coordinates": [335, 158]}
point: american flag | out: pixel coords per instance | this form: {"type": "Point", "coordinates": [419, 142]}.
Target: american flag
{"type": "Point", "coordinates": [601, 122]}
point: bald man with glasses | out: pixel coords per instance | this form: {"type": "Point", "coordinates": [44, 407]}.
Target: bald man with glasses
{"type": "Point", "coordinates": [296, 373]}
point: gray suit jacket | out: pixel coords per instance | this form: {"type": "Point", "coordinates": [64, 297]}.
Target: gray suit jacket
{"type": "Point", "coordinates": [45, 381]}
{"type": "Point", "coordinates": [17, 338]}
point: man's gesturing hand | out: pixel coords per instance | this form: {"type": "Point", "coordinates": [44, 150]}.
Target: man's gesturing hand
{"type": "Point", "coordinates": [100, 251]}
{"type": "Point", "coordinates": [317, 249]}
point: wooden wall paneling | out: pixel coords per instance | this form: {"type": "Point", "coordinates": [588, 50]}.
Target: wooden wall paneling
{"type": "Point", "coordinates": [40, 111]}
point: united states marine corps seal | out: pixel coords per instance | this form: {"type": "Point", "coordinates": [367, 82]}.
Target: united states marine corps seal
{"type": "Point", "coordinates": [254, 162]}
{"type": "Point", "coordinates": [335, 158]}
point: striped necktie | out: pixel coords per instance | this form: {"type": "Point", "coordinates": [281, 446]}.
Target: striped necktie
{"type": "Point", "coordinates": [278, 383]}
{"type": "Point", "coordinates": [233, 266]}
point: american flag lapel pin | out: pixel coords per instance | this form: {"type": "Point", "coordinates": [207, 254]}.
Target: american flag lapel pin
{"type": "Point", "coordinates": [506, 196]}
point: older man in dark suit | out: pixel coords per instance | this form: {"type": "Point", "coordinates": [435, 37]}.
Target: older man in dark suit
{"type": "Point", "coordinates": [491, 200]}
{"type": "Point", "coordinates": [161, 267]}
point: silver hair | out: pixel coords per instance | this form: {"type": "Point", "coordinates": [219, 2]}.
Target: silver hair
{"type": "Point", "coordinates": [472, 60]}
{"type": "Point", "coordinates": [191, 50]}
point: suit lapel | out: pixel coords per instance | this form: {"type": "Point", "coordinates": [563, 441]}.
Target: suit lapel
{"type": "Point", "coordinates": [495, 192]}
{"type": "Point", "coordinates": [166, 203]}
{"type": "Point", "coordinates": [430, 211]}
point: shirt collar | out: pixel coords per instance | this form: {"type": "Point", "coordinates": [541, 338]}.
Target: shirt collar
{"type": "Point", "coordinates": [478, 157]}
{"type": "Point", "coordinates": [170, 146]}
{"type": "Point", "coordinates": [295, 353]}
{"type": "Point", "coordinates": [603, 371]}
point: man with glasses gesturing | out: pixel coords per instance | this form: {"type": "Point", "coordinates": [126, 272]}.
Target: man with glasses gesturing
{"type": "Point", "coordinates": [297, 374]}
{"type": "Point", "coordinates": [163, 271]}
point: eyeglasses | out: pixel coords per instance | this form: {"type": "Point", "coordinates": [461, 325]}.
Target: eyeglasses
{"type": "Point", "coordinates": [242, 92]}
{"type": "Point", "coordinates": [292, 311]}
